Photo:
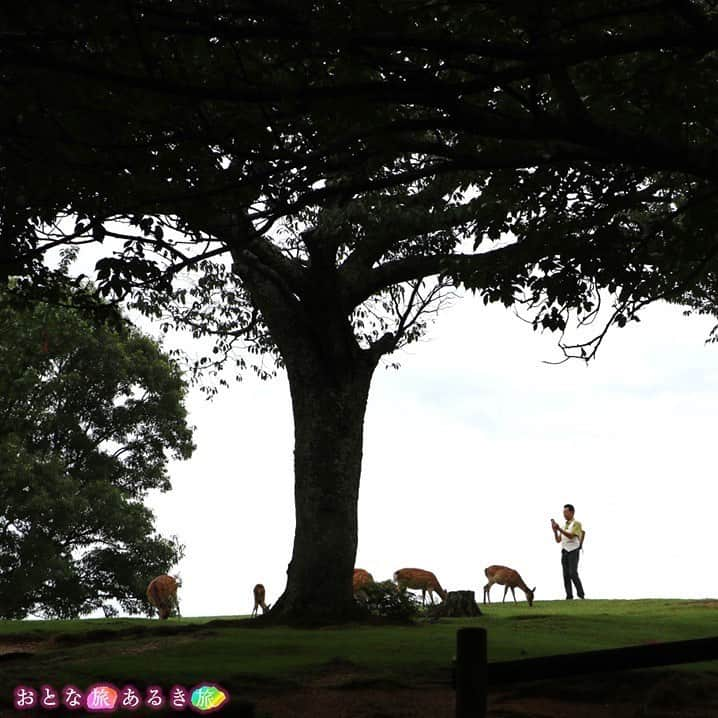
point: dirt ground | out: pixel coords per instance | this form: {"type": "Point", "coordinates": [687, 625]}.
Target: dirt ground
{"type": "Point", "coordinates": [628, 695]}
{"type": "Point", "coordinates": [439, 703]}
{"type": "Point", "coordinates": [9, 649]}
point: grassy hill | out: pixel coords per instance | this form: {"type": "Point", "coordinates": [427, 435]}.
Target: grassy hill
{"type": "Point", "coordinates": [190, 650]}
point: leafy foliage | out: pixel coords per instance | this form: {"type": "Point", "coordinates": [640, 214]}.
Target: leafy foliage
{"type": "Point", "coordinates": [89, 414]}
{"type": "Point", "coordinates": [384, 135]}
{"type": "Point", "coordinates": [384, 598]}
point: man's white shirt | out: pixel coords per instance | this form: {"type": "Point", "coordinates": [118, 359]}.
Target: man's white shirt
{"type": "Point", "coordinates": [570, 544]}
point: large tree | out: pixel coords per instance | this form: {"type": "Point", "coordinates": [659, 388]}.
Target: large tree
{"type": "Point", "coordinates": [90, 413]}
{"type": "Point", "coordinates": [323, 171]}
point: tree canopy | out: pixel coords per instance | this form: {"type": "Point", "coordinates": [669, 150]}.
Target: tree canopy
{"type": "Point", "coordinates": [587, 127]}
{"type": "Point", "coordinates": [89, 416]}
{"type": "Point", "coordinates": [596, 116]}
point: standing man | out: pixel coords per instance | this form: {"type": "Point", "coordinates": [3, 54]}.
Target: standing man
{"type": "Point", "coordinates": [570, 537]}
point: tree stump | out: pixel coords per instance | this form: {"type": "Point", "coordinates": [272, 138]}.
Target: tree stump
{"type": "Point", "coordinates": [457, 604]}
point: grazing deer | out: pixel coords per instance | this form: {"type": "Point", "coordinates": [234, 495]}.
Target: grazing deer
{"type": "Point", "coordinates": [361, 579]}
{"type": "Point", "coordinates": [162, 594]}
{"type": "Point", "coordinates": [259, 600]}
{"type": "Point", "coordinates": [509, 579]}
{"type": "Point", "coordinates": [418, 579]}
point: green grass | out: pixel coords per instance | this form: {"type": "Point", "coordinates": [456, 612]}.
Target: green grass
{"type": "Point", "coordinates": [41, 629]}
{"type": "Point", "coordinates": [236, 656]}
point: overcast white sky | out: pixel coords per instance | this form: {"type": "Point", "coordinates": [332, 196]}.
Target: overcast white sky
{"type": "Point", "coordinates": [471, 447]}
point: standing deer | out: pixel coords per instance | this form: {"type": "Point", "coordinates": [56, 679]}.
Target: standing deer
{"type": "Point", "coordinates": [259, 600]}
{"type": "Point", "coordinates": [361, 579]}
{"type": "Point", "coordinates": [162, 594]}
{"type": "Point", "coordinates": [418, 579]}
{"type": "Point", "coordinates": [509, 579]}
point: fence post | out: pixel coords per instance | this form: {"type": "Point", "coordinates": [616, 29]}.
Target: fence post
{"type": "Point", "coordinates": [471, 673]}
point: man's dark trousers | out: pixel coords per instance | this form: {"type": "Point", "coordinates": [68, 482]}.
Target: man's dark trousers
{"type": "Point", "coordinates": [569, 561]}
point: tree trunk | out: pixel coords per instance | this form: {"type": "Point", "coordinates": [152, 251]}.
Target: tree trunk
{"type": "Point", "coordinates": [329, 378]}
{"type": "Point", "coordinates": [329, 407]}
{"type": "Point", "coordinates": [457, 604]}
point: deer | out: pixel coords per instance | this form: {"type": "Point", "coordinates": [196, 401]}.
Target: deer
{"type": "Point", "coordinates": [418, 579]}
{"type": "Point", "coordinates": [361, 579]}
{"type": "Point", "coordinates": [509, 579]}
{"type": "Point", "coordinates": [259, 600]}
{"type": "Point", "coordinates": [162, 594]}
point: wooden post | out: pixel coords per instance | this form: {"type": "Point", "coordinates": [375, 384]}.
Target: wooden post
{"type": "Point", "coordinates": [471, 673]}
